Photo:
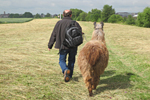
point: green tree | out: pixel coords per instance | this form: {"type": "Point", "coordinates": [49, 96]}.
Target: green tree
{"type": "Point", "coordinates": [82, 16]}
{"type": "Point", "coordinates": [48, 15]}
{"type": "Point", "coordinates": [27, 15]}
{"type": "Point", "coordinates": [143, 18]}
{"type": "Point", "coordinates": [16, 16]}
{"type": "Point", "coordinates": [94, 15]}
{"type": "Point", "coordinates": [130, 20]}
{"type": "Point", "coordinates": [107, 11]}
{"type": "Point", "coordinates": [124, 19]}
{"type": "Point", "coordinates": [75, 13]}
{"type": "Point", "coordinates": [37, 16]}
{"type": "Point", "coordinates": [115, 19]}
{"type": "Point", "coordinates": [140, 19]}
{"type": "Point", "coordinates": [88, 17]}
{"type": "Point", "coordinates": [11, 16]}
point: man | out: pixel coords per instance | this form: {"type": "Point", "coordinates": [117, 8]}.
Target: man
{"type": "Point", "coordinates": [58, 36]}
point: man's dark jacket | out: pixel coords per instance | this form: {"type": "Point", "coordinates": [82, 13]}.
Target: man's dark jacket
{"type": "Point", "coordinates": [58, 34]}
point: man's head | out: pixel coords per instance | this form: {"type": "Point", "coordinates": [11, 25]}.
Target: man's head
{"type": "Point", "coordinates": [67, 13]}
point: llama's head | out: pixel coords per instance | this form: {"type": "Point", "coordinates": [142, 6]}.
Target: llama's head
{"type": "Point", "coordinates": [98, 33]}
{"type": "Point", "coordinates": [98, 26]}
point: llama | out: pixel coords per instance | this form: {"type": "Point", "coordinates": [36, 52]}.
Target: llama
{"type": "Point", "coordinates": [93, 58]}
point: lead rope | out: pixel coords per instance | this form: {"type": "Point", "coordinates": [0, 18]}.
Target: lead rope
{"type": "Point", "coordinates": [84, 37]}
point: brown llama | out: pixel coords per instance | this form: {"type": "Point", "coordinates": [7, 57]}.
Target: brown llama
{"type": "Point", "coordinates": [93, 58]}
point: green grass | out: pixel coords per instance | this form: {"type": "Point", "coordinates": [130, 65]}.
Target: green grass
{"type": "Point", "coordinates": [15, 20]}
{"type": "Point", "coordinates": [28, 71]}
{"type": "Point", "coordinates": [130, 49]}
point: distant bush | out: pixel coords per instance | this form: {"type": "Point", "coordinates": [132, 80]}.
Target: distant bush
{"type": "Point", "coordinates": [37, 16]}
{"type": "Point", "coordinates": [48, 15]}
{"type": "Point", "coordinates": [124, 19]}
{"type": "Point", "coordinates": [130, 20]}
{"type": "Point", "coordinates": [115, 19]}
{"type": "Point", "coordinates": [27, 15]}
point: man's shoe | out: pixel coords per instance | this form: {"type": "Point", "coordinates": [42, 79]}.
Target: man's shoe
{"type": "Point", "coordinates": [66, 75]}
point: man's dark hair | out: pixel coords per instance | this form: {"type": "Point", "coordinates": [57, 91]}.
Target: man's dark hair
{"type": "Point", "coordinates": [67, 14]}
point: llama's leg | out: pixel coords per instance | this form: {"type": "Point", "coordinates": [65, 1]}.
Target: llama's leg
{"type": "Point", "coordinates": [95, 82]}
{"type": "Point", "coordinates": [95, 85]}
{"type": "Point", "coordinates": [89, 85]}
{"type": "Point", "coordinates": [90, 91]}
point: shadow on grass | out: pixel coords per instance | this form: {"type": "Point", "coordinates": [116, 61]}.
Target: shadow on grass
{"type": "Point", "coordinates": [76, 78]}
{"type": "Point", "coordinates": [108, 73]}
{"type": "Point", "coordinates": [121, 81]}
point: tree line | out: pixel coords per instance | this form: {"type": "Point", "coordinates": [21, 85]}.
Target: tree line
{"type": "Point", "coordinates": [25, 15]}
{"type": "Point", "coordinates": [107, 14]}
{"type": "Point", "coordinates": [29, 15]}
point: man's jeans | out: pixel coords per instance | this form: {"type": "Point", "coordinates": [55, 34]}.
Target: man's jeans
{"type": "Point", "coordinates": [71, 59]}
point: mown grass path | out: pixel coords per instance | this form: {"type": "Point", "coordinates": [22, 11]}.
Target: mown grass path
{"type": "Point", "coordinates": [28, 71]}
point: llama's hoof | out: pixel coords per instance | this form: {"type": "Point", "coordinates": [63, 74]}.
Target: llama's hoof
{"type": "Point", "coordinates": [90, 94]}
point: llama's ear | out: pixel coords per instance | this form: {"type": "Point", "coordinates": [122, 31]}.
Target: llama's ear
{"type": "Point", "coordinates": [102, 24]}
{"type": "Point", "coordinates": [94, 24]}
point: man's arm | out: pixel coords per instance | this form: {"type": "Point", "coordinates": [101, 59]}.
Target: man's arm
{"type": "Point", "coordinates": [52, 38]}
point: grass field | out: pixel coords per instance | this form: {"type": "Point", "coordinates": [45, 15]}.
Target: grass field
{"type": "Point", "coordinates": [15, 20]}
{"type": "Point", "coordinates": [28, 71]}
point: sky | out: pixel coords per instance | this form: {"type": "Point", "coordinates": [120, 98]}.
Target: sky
{"type": "Point", "coordinates": [58, 6]}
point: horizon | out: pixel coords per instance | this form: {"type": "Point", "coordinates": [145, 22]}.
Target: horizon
{"type": "Point", "coordinates": [56, 13]}
{"type": "Point", "coordinates": [58, 6]}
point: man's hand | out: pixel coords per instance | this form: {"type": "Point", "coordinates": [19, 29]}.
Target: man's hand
{"type": "Point", "coordinates": [49, 49]}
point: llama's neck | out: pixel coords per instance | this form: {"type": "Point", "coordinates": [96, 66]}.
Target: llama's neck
{"type": "Point", "coordinates": [98, 35]}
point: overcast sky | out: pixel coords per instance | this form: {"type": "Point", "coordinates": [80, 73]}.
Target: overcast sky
{"type": "Point", "coordinates": [58, 6]}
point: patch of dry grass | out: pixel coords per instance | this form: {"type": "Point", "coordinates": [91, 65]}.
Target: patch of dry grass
{"type": "Point", "coordinates": [134, 38]}
{"type": "Point", "coordinates": [29, 71]}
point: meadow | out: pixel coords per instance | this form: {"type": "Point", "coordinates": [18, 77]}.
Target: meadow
{"type": "Point", "coordinates": [15, 20]}
{"type": "Point", "coordinates": [29, 71]}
